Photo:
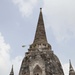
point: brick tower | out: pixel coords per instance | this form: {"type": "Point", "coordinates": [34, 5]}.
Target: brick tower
{"type": "Point", "coordinates": [40, 59]}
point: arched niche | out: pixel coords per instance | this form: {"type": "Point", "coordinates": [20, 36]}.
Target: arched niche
{"type": "Point", "coordinates": [38, 65]}
{"type": "Point", "coordinates": [37, 70]}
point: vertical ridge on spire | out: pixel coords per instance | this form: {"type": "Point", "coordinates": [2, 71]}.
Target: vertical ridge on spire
{"type": "Point", "coordinates": [40, 35]}
{"type": "Point", "coordinates": [12, 72]}
{"type": "Point", "coordinates": [71, 70]}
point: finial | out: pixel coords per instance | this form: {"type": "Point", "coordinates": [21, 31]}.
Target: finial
{"type": "Point", "coordinates": [12, 66]}
{"type": "Point", "coordinates": [12, 72]}
{"type": "Point", "coordinates": [12, 69]}
{"type": "Point", "coordinates": [69, 61]}
{"type": "Point", "coordinates": [41, 9]}
{"type": "Point", "coordinates": [71, 68]}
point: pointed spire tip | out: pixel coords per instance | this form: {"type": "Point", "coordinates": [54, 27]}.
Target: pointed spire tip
{"type": "Point", "coordinates": [12, 72]}
{"type": "Point", "coordinates": [12, 66]}
{"type": "Point", "coordinates": [40, 35]}
{"type": "Point", "coordinates": [41, 9]}
{"type": "Point", "coordinates": [69, 61]}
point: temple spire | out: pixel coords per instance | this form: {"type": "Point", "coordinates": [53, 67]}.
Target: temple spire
{"type": "Point", "coordinates": [40, 35]}
{"type": "Point", "coordinates": [71, 70]}
{"type": "Point", "coordinates": [12, 72]}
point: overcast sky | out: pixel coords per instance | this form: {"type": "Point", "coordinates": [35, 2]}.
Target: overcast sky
{"type": "Point", "coordinates": [18, 21]}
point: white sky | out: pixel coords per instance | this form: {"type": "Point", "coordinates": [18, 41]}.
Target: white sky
{"type": "Point", "coordinates": [18, 20]}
